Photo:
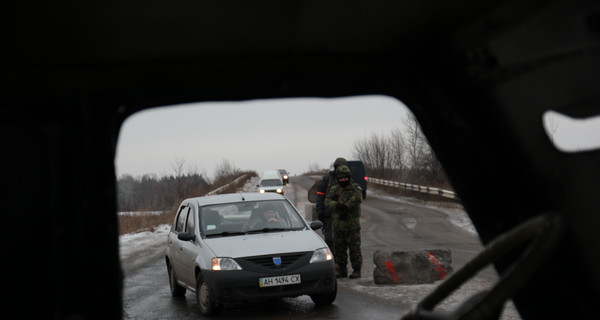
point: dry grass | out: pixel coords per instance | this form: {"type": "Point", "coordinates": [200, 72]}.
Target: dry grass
{"type": "Point", "coordinates": [144, 222]}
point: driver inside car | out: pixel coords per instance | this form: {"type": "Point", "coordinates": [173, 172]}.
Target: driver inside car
{"type": "Point", "coordinates": [270, 216]}
{"type": "Point", "coordinates": [268, 219]}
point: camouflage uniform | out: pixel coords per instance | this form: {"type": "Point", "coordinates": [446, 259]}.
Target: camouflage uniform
{"type": "Point", "coordinates": [345, 202]}
{"type": "Point", "coordinates": [324, 214]}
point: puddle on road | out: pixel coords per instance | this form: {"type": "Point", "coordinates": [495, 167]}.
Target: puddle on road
{"type": "Point", "coordinates": [410, 223]}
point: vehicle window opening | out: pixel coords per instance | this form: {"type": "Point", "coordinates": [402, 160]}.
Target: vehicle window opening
{"type": "Point", "coordinates": [572, 135]}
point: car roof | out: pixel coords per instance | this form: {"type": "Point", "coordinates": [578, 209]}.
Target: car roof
{"type": "Point", "coordinates": [234, 197]}
{"type": "Point", "coordinates": [271, 174]}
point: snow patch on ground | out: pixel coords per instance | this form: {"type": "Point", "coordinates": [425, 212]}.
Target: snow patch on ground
{"type": "Point", "coordinates": [140, 213]}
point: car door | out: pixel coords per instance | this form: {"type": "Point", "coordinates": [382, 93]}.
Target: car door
{"type": "Point", "coordinates": [189, 249]}
{"type": "Point", "coordinates": [174, 250]}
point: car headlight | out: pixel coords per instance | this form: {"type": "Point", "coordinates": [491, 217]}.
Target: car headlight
{"type": "Point", "coordinates": [279, 191]}
{"type": "Point", "coordinates": [262, 191]}
{"type": "Point", "coordinates": [224, 264]}
{"type": "Point", "coordinates": [320, 255]}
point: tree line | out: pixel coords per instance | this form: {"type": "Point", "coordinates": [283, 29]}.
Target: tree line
{"type": "Point", "coordinates": [403, 155]}
{"type": "Point", "coordinates": [151, 192]}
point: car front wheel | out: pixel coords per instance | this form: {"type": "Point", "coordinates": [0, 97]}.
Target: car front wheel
{"type": "Point", "coordinates": [208, 306]}
{"type": "Point", "coordinates": [324, 299]}
{"type": "Point", "coordinates": [176, 289]}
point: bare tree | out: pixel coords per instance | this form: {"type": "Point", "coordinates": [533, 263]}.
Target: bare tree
{"type": "Point", "coordinates": [177, 167]}
{"type": "Point", "coordinates": [187, 183]}
{"type": "Point", "coordinates": [405, 155]}
{"type": "Point", "coordinates": [416, 144]}
{"type": "Point", "coordinates": [376, 153]}
{"type": "Point", "coordinates": [398, 157]}
{"type": "Point", "coordinates": [364, 151]}
{"type": "Point", "coordinates": [224, 172]}
{"type": "Point", "coordinates": [314, 168]}
{"type": "Point", "coordinates": [126, 192]}
{"type": "Point", "coordinates": [225, 169]}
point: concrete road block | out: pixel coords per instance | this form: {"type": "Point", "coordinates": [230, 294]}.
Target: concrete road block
{"type": "Point", "coordinates": [411, 267]}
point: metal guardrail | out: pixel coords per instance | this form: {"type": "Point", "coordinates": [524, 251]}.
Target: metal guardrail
{"type": "Point", "coordinates": [217, 190]}
{"type": "Point", "coordinates": [414, 187]}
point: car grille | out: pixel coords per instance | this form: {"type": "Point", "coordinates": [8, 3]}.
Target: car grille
{"type": "Point", "coordinates": [267, 261]}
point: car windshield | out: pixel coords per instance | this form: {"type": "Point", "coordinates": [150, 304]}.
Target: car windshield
{"type": "Point", "coordinates": [270, 183]}
{"type": "Point", "coordinates": [249, 217]}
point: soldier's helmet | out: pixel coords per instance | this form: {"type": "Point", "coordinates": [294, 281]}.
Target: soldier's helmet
{"type": "Point", "coordinates": [339, 161]}
{"type": "Point", "coordinates": [343, 172]}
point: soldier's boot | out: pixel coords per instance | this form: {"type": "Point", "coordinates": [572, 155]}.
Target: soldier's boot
{"type": "Point", "coordinates": [355, 274]}
{"type": "Point", "coordinates": [342, 272]}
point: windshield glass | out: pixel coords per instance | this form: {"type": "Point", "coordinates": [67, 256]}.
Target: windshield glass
{"type": "Point", "coordinates": [238, 218]}
{"type": "Point", "coordinates": [270, 183]}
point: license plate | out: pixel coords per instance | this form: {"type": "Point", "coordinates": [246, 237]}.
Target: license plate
{"type": "Point", "coordinates": [279, 280]}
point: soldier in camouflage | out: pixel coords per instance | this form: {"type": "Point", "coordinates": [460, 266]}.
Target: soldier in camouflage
{"type": "Point", "coordinates": [325, 214]}
{"type": "Point", "coordinates": [345, 199]}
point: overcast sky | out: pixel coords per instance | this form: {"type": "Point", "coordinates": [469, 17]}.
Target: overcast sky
{"type": "Point", "coordinates": [258, 135]}
{"type": "Point", "coordinates": [291, 134]}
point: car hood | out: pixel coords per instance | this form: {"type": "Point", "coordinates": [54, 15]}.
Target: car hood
{"type": "Point", "coordinates": [265, 243]}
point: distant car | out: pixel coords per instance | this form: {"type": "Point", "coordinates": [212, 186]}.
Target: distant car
{"type": "Point", "coordinates": [359, 175]}
{"type": "Point", "coordinates": [284, 175]}
{"type": "Point", "coordinates": [271, 181]}
{"type": "Point", "coordinates": [220, 249]}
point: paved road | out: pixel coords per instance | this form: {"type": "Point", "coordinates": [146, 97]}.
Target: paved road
{"type": "Point", "coordinates": [147, 296]}
{"type": "Point", "coordinates": [387, 224]}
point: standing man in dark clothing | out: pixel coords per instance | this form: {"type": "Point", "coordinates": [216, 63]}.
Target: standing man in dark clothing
{"type": "Point", "coordinates": [345, 199]}
{"type": "Point", "coordinates": [324, 214]}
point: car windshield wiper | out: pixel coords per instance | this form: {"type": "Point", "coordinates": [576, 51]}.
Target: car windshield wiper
{"type": "Point", "coordinates": [225, 234]}
{"type": "Point", "coordinates": [267, 230]}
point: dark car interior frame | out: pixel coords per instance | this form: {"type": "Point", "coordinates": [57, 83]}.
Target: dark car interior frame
{"type": "Point", "coordinates": [478, 75]}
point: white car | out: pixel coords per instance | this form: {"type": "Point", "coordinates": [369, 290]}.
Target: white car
{"type": "Point", "coordinates": [245, 247]}
{"type": "Point", "coordinates": [271, 181]}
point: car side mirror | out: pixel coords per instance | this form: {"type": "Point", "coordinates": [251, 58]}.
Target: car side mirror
{"type": "Point", "coordinates": [316, 225]}
{"type": "Point", "coordinates": [185, 236]}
